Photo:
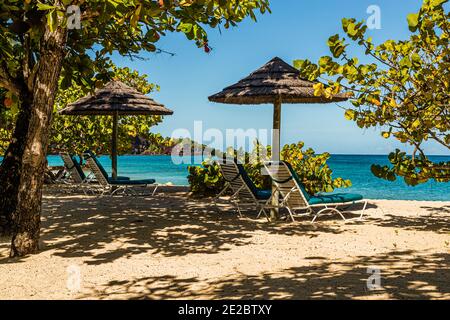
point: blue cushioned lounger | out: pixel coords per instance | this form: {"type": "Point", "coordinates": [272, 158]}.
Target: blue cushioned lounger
{"type": "Point", "coordinates": [295, 198]}
{"type": "Point", "coordinates": [111, 186]}
{"type": "Point", "coordinates": [244, 191]}
{"type": "Point", "coordinates": [102, 169]}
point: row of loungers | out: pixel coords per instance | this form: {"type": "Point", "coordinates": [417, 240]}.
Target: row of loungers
{"type": "Point", "coordinates": [290, 189]}
{"type": "Point", "coordinates": [291, 192]}
{"type": "Point", "coordinates": [104, 184]}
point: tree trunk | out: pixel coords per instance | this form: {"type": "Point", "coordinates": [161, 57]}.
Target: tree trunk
{"type": "Point", "coordinates": [11, 167]}
{"type": "Point", "coordinates": [24, 164]}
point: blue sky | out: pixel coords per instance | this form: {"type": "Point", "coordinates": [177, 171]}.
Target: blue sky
{"type": "Point", "coordinates": [296, 29]}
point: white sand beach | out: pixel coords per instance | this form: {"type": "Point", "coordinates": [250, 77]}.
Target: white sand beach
{"type": "Point", "coordinates": [170, 247]}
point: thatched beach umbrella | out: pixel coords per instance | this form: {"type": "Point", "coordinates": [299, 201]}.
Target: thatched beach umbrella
{"type": "Point", "coordinates": [274, 83]}
{"type": "Point", "coordinates": [116, 99]}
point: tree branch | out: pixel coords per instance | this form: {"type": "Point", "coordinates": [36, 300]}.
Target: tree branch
{"type": "Point", "coordinates": [437, 139]}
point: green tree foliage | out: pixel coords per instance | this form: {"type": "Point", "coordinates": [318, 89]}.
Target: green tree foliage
{"type": "Point", "coordinates": [157, 144]}
{"type": "Point", "coordinates": [312, 169]}
{"type": "Point", "coordinates": [405, 89]}
{"type": "Point", "coordinates": [75, 134]}
{"type": "Point", "coordinates": [205, 180]}
{"type": "Point", "coordinates": [124, 26]}
{"type": "Point", "coordinates": [6, 120]}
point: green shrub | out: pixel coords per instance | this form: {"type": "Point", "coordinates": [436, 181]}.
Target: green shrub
{"type": "Point", "coordinates": [313, 170]}
{"type": "Point", "coordinates": [205, 180]}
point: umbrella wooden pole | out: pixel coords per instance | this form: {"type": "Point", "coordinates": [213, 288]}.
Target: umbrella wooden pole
{"type": "Point", "coordinates": [274, 213]}
{"type": "Point", "coordinates": [114, 145]}
{"type": "Point", "coordinates": [276, 131]}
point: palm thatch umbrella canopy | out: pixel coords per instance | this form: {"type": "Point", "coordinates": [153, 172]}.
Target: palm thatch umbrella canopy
{"type": "Point", "coordinates": [115, 99]}
{"type": "Point", "coordinates": [274, 83]}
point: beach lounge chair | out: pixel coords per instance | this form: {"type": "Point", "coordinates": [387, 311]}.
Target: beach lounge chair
{"type": "Point", "coordinates": [121, 185]}
{"type": "Point", "coordinates": [75, 172]}
{"type": "Point", "coordinates": [100, 166]}
{"type": "Point", "coordinates": [244, 192]}
{"type": "Point", "coordinates": [294, 197]}
{"type": "Point", "coordinates": [77, 175]}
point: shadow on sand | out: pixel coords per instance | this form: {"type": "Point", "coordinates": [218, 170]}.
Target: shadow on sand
{"type": "Point", "coordinates": [424, 279]}
{"type": "Point", "coordinates": [171, 225]}
{"type": "Point", "coordinates": [174, 225]}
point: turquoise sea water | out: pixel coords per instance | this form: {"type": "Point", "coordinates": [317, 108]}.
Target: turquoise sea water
{"type": "Point", "coordinates": [353, 167]}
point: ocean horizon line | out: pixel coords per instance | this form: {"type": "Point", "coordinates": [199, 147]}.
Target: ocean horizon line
{"type": "Point", "coordinates": [333, 154]}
